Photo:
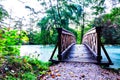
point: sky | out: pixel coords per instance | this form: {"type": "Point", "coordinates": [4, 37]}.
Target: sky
{"type": "Point", "coordinates": [16, 8]}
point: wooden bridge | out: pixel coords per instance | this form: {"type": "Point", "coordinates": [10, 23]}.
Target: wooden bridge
{"type": "Point", "coordinates": [88, 51]}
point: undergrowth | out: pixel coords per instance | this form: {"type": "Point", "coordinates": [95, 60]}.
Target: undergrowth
{"type": "Point", "coordinates": [21, 68]}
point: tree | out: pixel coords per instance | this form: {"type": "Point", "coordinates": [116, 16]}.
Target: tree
{"type": "Point", "coordinates": [97, 7]}
{"type": "Point", "coordinates": [111, 26]}
{"type": "Point", "coordinates": [3, 13]}
{"type": "Point", "coordinates": [60, 14]}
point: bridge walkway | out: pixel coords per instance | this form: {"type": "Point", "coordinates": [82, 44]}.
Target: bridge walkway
{"type": "Point", "coordinates": [80, 53]}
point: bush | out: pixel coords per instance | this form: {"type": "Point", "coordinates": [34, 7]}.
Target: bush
{"type": "Point", "coordinates": [43, 37]}
{"type": "Point", "coordinates": [29, 76]}
{"type": "Point", "coordinates": [25, 68]}
{"type": "Point", "coordinates": [8, 40]}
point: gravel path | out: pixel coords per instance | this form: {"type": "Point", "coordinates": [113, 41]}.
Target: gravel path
{"type": "Point", "coordinates": [79, 71]}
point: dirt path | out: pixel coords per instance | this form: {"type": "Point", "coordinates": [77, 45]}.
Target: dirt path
{"type": "Point", "coordinates": [79, 71]}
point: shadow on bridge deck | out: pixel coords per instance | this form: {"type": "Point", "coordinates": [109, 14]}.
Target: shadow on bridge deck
{"type": "Point", "coordinates": [79, 53]}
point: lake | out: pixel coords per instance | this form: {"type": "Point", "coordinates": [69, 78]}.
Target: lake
{"type": "Point", "coordinates": [43, 53]}
{"type": "Point", "coordinates": [114, 53]}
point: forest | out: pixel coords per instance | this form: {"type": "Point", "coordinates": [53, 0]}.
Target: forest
{"type": "Point", "coordinates": [73, 15]}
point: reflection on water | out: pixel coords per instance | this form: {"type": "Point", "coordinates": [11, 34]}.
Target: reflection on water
{"type": "Point", "coordinates": [114, 53]}
{"type": "Point", "coordinates": [44, 52]}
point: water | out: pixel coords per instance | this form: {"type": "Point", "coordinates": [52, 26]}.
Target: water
{"type": "Point", "coordinates": [44, 52]}
{"type": "Point", "coordinates": [114, 53]}
{"type": "Point", "coordinates": [40, 52]}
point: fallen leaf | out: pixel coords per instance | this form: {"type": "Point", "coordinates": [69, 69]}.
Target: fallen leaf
{"type": "Point", "coordinates": [58, 74]}
{"type": "Point", "coordinates": [52, 75]}
{"type": "Point", "coordinates": [48, 73]}
{"type": "Point", "coordinates": [56, 70]}
{"type": "Point", "coordinates": [71, 74]}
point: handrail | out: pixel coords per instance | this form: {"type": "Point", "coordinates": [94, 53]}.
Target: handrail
{"type": "Point", "coordinates": [92, 39]}
{"type": "Point", "coordinates": [65, 40]}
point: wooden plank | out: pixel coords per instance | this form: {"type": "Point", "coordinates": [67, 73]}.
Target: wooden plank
{"type": "Point", "coordinates": [63, 32]}
{"type": "Point", "coordinates": [64, 53]}
{"type": "Point", "coordinates": [79, 53]}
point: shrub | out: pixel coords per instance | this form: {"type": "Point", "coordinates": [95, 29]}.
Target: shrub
{"type": "Point", "coordinates": [9, 39]}
{"type": "Point", "coordinates": [29, 76]}
{"type": "Point", "coordinates": [24, 68]}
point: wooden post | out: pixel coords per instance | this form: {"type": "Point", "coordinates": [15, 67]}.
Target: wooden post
{"type": "Point", "coordinates": [99, 57]}
{"type": "Point", "coordinates": [59, 43]}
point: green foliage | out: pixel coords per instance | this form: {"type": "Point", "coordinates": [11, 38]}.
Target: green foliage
{"type": "Point", "coordinates": [43, 37]}
{"type": "Point", "coordinates": [8, 40]}
{"type": "Point", "coordinates": [23, 38]}
{"type": "Point", "coordinates": [25, 68]}
{"type": "Point", "coordinates": [58, 15]}
{"type": "Point", "coordinates": [87, 28]}
{"type": "Point", "coordinates": [113, 16]}
{"type": "Point", "coordinates": [3, 13]}
{"type": "Point", "coordinates": [111, 26]}
{"type": "Point", "coordinates": [11, 37]}
{"type": "Point", "coordinates": [46, 37]}
{"type": "Point", "coordinates": [98, 6]}
{"type": "Point", "coordinates": [78, 37]}
{"type": "Point", "coordinates": [29, 76]}
{"type": "Point", "coordinates": [32, 37]}
{"type": "Point", "coordinates": [98, 22]}
{"type": "Point", "coordinates": [10, 78]}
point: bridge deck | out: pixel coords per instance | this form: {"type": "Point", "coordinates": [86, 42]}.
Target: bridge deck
{"type": "Point", "coordinates": [79, 53]}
